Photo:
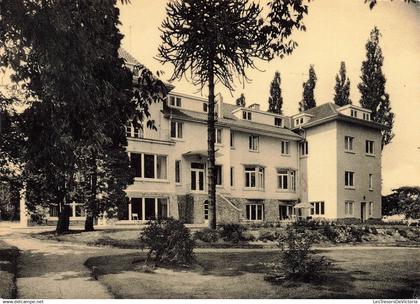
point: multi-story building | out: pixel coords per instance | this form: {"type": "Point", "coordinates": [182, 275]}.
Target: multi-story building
{"type": "Point", "coordinates": [321, 163]}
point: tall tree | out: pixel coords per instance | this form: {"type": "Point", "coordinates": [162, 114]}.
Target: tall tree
{"type": "Point", "coordinates": [240, 101]}
{"type": "Point", "coordinates": [65, 55]}
{"type": "Point", "coordinates": [275, 101]}
{"type": "Point", "coordinates": [213, 40]}
{"type": "Point", "coordinates": [372, 88]}
{"type": "Point", "coordinates": [342, 87]}
{"type": "Point", "coordinates": [308, 96]}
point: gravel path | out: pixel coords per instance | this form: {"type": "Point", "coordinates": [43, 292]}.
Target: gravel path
{"type": "Point", "coordinates": [51, 270]}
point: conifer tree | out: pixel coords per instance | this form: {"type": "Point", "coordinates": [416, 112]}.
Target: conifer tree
{"type": "Point", "coordinates": [342, 87]}
{"type": "Point", "coordinates": [275, 101]}
{"type": "Point", "coordinates": [308, 96]}
{"type": "Point", "coordinates": [372, 87]}
{"type": "Point", "coordinates": [241, 101]}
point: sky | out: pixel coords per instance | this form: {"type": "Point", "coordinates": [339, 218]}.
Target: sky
{"type": "Point", "coordinates": [336, 31]}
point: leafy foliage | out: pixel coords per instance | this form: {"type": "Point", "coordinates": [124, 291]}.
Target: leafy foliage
{"type": "Point", "coordinates": [297, 259]}
{"type": "Point", "coordinates": [372, 87]}
{"type": "Point", "coordinates": [232, 232]}
{"type": "Point", "coordinates": [240, 101]}
{"type": "Point", "coordinates": [207, 235]}
{"type": "Point", "coordinates": [403, 200]}
{"type": "Point", "coordinates": [168, 241]}
{"type": "Point", "coordinates": [308, 95]}
{"type": "Point", "coordinates": [275, 101]}
{"type": "Point", "coordinates": [342, 87]}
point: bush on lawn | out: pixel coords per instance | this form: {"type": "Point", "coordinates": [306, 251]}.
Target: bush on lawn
{"type": "Point", "coordinates": [297, 259]}
{"type": "Point", "coordinates": [268, 235]}
{"type": "Point", "coordinates": [232, 232]}
{"type": "Point", "coordinates": [168, 241]}
{"type": "Point", "coordinates": [207, 235]}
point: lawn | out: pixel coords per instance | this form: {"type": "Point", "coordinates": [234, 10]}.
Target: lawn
{"type": "Point", "coordinates": [357, 273]}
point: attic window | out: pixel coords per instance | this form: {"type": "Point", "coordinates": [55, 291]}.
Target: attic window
{"type": "Point", "coordinates": [175, 101]}
{"type": "Point", "coordinates": [277, 121]}
{"type": "Point", "coordinates": [353, 113]}
{"type": "Point", "coordinates": [246, 115]}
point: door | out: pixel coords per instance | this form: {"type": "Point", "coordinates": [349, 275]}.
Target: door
{"type": "Point", "coordinates": [362, 211]}
{"type": "Point", "coordinates": [197, 176]}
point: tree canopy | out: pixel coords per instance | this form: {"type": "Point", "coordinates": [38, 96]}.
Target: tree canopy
{"type": "Point", "coordinates": [275, 100]}
{"type": "Point", "coordinates": [372, 87]}
{"type": "Point", "coordinates": [342, 87]}
{"type": "Point", "coordinates": [308, 95]}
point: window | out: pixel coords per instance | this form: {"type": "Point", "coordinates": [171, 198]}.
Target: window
{"type": "Point", "coordinates": [136, 164]}
{"type": "Point", "coordinates": [206, 210]}
{"type": "Point", "coordinates": [254, 212]}
{"type": "Point", "coordinates": [277, 121]}
{"type": "Point", "coordinates": [205, 107]}
{"type": "Point", "coordinates": [246, 115]}
{"type": "Point", "coordinates": [176, 129]}
{"type": "Point", "coordinates": [284, 147]}
{"type": "Point", "coordinates": [197, 176]}
{"type": "Point", "coordinates": [285, 212]}
{"type": "Point", "coordinates": [218, 136]}
{"type": "Point", "coordinates": [128, 129]}
{"type": "Point", "coordinates": [254, 177]}
{"type": "Point", "coordinates": [79, 211]}
{"type": "Point", "coordinates": [148, 208]}
{"type": "Point", "coordinates": [218, 173]}
{"type": "Point", "coordinates": [286, 180]}
{"type": "Point", "coordinates": [149, 165]}
{"type": "Point", "coordinates": [304, 148]}
{"type": "Point", "coordinates": [348, 143]}
{"type": "Point", "coordinates": [175, 101]}
{"type": "Point", "coordinates": [370, 181]}
{"type": "Point", "coordinates": [137, 132]}
{"type": "Point", "coordinates": [349, 179]}
{"type": "Point", "coordinates": [366, 116]}
{"type": "Point", "coordinates": [253, 142]}
{"type": "Point", "coordinates": [177, 171]}
{"type": "Point", "coordinates": [282, 180]}
{"type": "Point", "coordinates": [349, 208]}
{"type": "Point", "coordinates": [301, 120]}
{"type": "Point", "coordinates": [353, 113]}
{"type": "Point", "coordinates": [232, 139]}
{"type": "Point", "coordinates": [318, 208]}
{"type": "Point", "coordinates": [369, 147]}
{"type": "Point", "coordinates": [232, 172]}
{"type": "Point", "coordinates": [370, 210]}
{"type": "Point", "coordinates": [296, 122]}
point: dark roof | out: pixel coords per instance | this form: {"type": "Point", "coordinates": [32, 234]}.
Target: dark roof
{"type": "Point", "coordinates": [128, 57]}
{"type": "Point", "coordinates": [328, 112]}
{"type": "Point", "coordinates": [230, 120]}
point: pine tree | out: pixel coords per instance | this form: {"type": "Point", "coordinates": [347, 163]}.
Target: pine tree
{"type": "Point", "coordinates": [240, 101]}
{"type": "Point", "coordinates": [308, 96]}
{"type": "Point", "coordinates": [342, 87]}
{"type": "Point", "coordinates": [275, 101]}
{"type": "Point", "coordinates": [372, 87]}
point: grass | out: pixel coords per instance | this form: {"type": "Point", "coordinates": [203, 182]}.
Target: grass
{"type": "Point", "coordinates": [8, 256]}
{"type": "Point", "coordinates": [357, 273]}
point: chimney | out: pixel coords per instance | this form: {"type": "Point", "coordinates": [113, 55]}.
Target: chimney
{"type": "Point", "coordinates": [255, 106]}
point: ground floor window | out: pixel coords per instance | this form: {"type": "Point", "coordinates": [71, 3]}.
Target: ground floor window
{"type": "Point", "coordinates": [146, 208]}
{"type": "Point", "coordinates": [254, 212]}
{"type": "Point", "coordinates": [206, 210]}
{"type": "Point", "coordinates": [370, 208]}
{"type": "Point", "coordinates": [75, 210]}
{"type": "Point", "coordinates": [318, 208]}
{"type": "Point", "coordinates": [286, 212]}
{"type": "Point", "coordinates": [349, 208]}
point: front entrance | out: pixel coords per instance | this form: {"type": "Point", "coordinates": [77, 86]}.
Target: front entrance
{"type": "Point", "coordinates": [362, 211]}
{"type": "Point", "coordinates": [197, 176]}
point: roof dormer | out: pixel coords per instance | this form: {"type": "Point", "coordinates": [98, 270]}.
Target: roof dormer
{"type": "Point", "coordinates": [300, 119]}
{"type": "Point", "coordinates": [355, 112]}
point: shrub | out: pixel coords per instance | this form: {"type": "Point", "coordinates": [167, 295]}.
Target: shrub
{"type": "Point", "coordinates": [207, 235]}
{"type": "Point", "coordinates": [232, 232]}
{"type": "Point", "coordinates": [268, 235]}
{"type": "Point", "coordinates": [355, 233]}
{"type": "Point", "coordinates": [169, 241]}
{"type": "Point", "coordinates": [331, 233]}
{"type": "Point", "coordinates": [297, 259]}
{"type": "Point", "coordinates": [248, 236]}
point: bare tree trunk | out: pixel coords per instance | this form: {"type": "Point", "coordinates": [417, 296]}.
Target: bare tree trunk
{"type": "Point", "coordinates": [211, 138]}
{"type": "Point", "coordinates": [63, 223]}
